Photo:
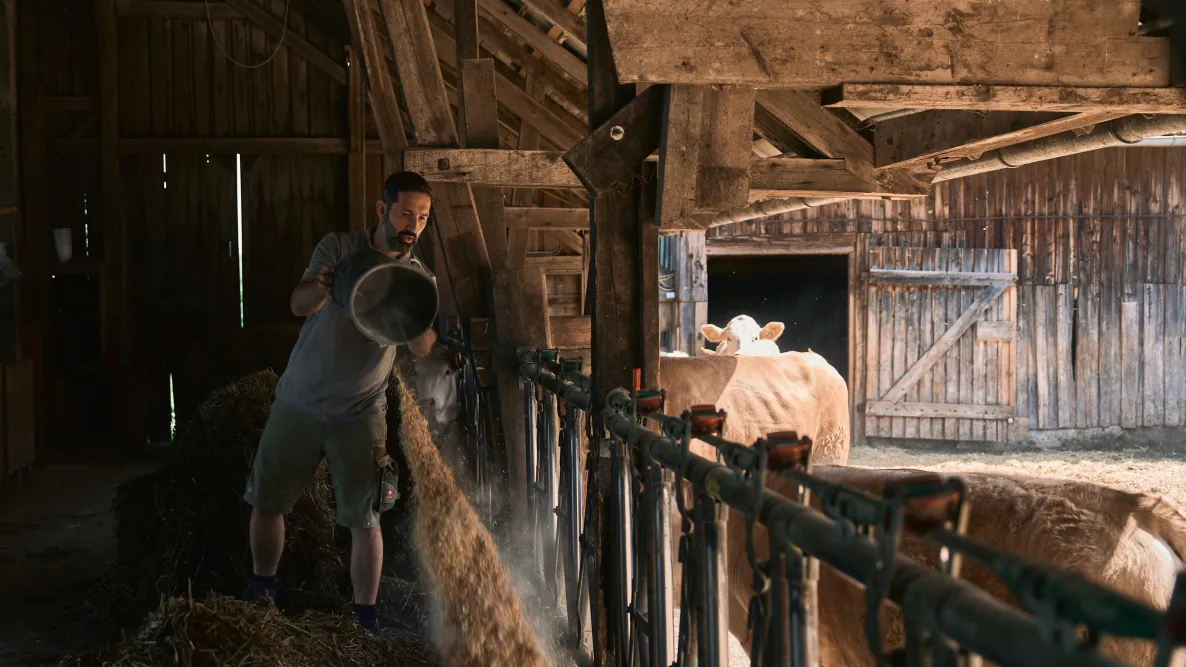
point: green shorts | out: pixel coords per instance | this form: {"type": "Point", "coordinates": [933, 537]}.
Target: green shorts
{"type": "Point", "coordinates": [291, 448]}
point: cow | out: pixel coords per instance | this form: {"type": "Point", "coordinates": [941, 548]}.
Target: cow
{"type": "Point", "coordinates": [742, 336]}
{"type": "Point", "coordinates": [1131, 542]}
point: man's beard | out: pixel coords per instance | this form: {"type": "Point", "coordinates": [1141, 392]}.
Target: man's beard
{"type": "Point", "coordinates": [397, 240]}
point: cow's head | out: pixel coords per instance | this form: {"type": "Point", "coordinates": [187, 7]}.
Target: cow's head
{"type": "Point", "coordinates": [739, 332]}
{"type": "Point", "coordinates": [435, 380]}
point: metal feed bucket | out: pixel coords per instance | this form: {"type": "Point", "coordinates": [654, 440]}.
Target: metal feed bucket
{"type": "Point", "coordinates": [390, 302]}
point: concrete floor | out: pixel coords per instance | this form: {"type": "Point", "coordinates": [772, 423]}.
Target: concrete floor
{"type": "Point", "coordinates": [55, 541]}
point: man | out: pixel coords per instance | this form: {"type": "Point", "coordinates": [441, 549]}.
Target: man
{"type": "Point", "coordinates": [331, 403]}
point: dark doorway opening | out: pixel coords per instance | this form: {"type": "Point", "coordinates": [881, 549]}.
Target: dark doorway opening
{"type": "Point", "coordinates": [807, 293]}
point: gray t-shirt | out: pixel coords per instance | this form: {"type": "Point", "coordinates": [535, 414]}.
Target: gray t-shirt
{"type": "Point", "coordinates": [335, 373]}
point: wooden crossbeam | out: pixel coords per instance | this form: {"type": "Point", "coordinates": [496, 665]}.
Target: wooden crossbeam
{"type": "Point", "coordinates": [965, 321]}
{"type": "Point", "coordinates": [503, 168]}
{"type": "Point", "coordinates": [173, 9]}
{"type": "Point", "coordinates": [264, 20]}
{"type": "Point", "coordinates": [503, 14]}
{"type": "Point", "coordinates": [950, 278]}
{"type": "Point", "coordinates": [619, 145]}
{"type": "Point", "coordinates": [558, 15]}
{"type": "Point", "coordinates": [532, 217]}
{"type": "Point", "coordinates": [780, 178]}
{"type": "Point", "coordinates": [1065, 99]}
{"type": "Point", "coordinates": [832, 137]}
{"type": "Point", "coordinates": [932, 136]}
{"type": "Point", "coordinates": [765, 43]}
{"type": "Point", "coordinates": [938, 410]}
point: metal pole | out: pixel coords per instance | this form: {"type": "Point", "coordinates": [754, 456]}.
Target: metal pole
{"type": "Point", "coordinates": [661, 603]}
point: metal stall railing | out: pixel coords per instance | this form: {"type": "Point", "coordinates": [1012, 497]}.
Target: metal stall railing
{"type": "Point", "coordinates": [948, 621]}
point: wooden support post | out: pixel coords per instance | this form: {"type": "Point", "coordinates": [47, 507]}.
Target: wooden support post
{"type": "Point", "coordinates": [112, 189]}
{"type": "Point", "coordinates": [356, 122]}
{"type": "Point", "coordinates": [691, 292]}
{"type": "Point", "coordinates": [523, 197]}
{"type": "Point", "coordinates": [465, 29]}
{"type": "Point", "coordinates": [480, 114]}
{"type": "Point", "coordinates": [616, 229]}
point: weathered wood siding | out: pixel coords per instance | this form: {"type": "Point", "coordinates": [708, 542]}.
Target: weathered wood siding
{"type": "Point", "coordinates": [1101, 301]}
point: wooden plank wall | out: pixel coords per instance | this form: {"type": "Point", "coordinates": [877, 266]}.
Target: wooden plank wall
{"type": "Point", "coordinates": [1101, 239]}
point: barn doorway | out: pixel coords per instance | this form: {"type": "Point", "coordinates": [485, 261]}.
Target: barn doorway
{"type": "Point", "coordinates": [808, 293]}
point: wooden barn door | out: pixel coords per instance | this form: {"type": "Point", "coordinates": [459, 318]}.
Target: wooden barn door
{"type": "Point", "coordinates": [940, 355]}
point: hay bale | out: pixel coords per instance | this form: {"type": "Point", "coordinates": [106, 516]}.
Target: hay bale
{"type": "Point", "coordinates": [223, 631]}
{"type": "Point", "coordinates": [186, 523]}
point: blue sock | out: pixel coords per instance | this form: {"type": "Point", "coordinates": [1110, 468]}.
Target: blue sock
{"type": "Point", "coordinates": [368, 617]}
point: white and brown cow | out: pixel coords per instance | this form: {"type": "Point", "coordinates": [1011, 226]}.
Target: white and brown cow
{"type": "Point", "coordinates": [1130, 542]}
{"type": "Point", "coordinates": [743, 337]}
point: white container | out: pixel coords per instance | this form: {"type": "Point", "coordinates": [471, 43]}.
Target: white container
{"type": "Point", "coordinates": [64, 242]}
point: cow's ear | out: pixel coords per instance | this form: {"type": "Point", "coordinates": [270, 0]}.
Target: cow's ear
{"type": "Point", "coordinates": [712, 333]}
{"type": "Point", "coordinates": [771, 331]}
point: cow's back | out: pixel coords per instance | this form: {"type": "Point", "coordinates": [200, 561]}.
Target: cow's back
{"type": "Point", "coordinates": [1086, 528]}
{"type": "Point", "coordinates": [792, 391]}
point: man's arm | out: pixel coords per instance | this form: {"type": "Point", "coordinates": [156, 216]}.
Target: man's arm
{"type": "Point", "coordinates": [423, 345]}
{"type": "Point", "coordinates": [315, 286]}
{"type": "Point", "coordinates": [311, 293]}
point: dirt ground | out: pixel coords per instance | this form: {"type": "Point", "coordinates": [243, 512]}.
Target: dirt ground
{"type": "Point", "coordinates": [55, 541]}
{"type": "Point", "coordinates": [1145, 470]}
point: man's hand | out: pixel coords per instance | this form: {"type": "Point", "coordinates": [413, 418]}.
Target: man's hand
{"type": "Point", "coordinates": [312, 292]}
{"type": "Point", "coordinates": [423, 345]}
{"type": "Point", "coordinates": [326, 279]}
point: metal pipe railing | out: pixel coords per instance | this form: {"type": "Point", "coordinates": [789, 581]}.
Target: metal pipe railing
{"type": "Point", "coordinates": [934, 602]}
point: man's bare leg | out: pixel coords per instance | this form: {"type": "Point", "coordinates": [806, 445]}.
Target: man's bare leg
{"type": "Point", "coordinates": [266, 535]}
{"type": "Point", "coordinates": [366, 563]}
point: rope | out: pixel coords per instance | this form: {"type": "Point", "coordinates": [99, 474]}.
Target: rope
{"type": "Point", "coordinates": [214, 34]}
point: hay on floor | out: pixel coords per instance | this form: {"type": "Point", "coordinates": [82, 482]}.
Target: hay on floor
{"type": "Point", "coordinates": [223, 631]}
{"type": "Point", "coordinates": [185, 524]}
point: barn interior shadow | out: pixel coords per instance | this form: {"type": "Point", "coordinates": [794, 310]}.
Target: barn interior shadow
{"type": "Point", "coordinates": [807, 293]}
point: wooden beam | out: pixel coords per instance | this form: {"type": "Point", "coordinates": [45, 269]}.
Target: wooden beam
{"type": "Point", "coordinates": [781, 178]}
{"type": "Point", "coordinates": [264, 20]}
{"type": "Point", "coordinates": [71, 104]}
{"type": "Point", "coordinates": [938, 410]}
{"type": "Point", "coordinates": [228, 145]}
{"type": "Point", "coordinates": [560, 131]}
{"type": "Point", "coordinates": [423, 90]}
{"type": "Point", "coordinates": [480, 111]}
{"type": "Point", "coordinates": [949, 278]}
{"type": "Point", "coordinates": [518, 236]}
{"type": "Point", "coordinates": [360, 21]}
{"type": "Point", "coordinates": [994, 331]}
{"type": "Point", "coordinates": [832, 137]}
{"type": "Point", "coordinates": [931, 136]}
{"type": "Point", "coordinates": [618, 146]}
{"type": "Point", "coordinates": [556, 12]}
{"type": "Point", "coordinates": [796, 244]}
{"type": "Point", "coordinates": [523, 217]}
{"type": "Point", "coordinates": [537, 39]}
{"type": "Point", "coordinates": [679, 152]}
{"type": "Point", "coordinates": [503, 168]}
{"type": "Point", "coordinates": [356, 126]}
{"type": "Point", "coordinates": [574, 332]}
{"type": "Point", "coordinates": [1064, 99]}
{"type": "Point", "coordinates": [763, 43]}
{"type": "Point", "coordinates": [465, 29]}
{"type": "Point", "coordinates": [410, 38]}
{"type": "Point", "coordinates": [728, 136]}
{"type": "Point", "coordinates": [965, 321]}
{"type": "Point", "coordinates": [114, 292]}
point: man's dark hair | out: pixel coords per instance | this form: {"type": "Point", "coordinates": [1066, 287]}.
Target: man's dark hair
{"type": "Point", "coordinates": [403, 181]}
